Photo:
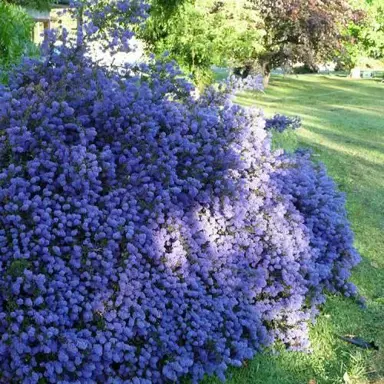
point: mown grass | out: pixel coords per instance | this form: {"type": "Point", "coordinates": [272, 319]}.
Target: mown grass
{"type": "Point", "coordinates": [343, 122]}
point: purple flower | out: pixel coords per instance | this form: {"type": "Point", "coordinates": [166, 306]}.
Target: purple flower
{"type": "Point", "coordinates": [280, 123]}
{"type": "Point", "coordinates": [146, 235]}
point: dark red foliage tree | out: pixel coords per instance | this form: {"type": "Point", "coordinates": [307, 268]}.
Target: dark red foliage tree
{"type": "Point", "coordinates": [306, 31]}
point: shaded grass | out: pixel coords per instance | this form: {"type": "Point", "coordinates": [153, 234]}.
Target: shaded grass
{"type": "Point", "coordinates": [343, 122]}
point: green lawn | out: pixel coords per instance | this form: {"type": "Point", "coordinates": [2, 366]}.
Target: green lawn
{"type": "Point", "coordinates": [343, 122]}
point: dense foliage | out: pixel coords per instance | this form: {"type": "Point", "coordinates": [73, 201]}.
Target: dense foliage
{"type": "Point", "coordinates": [251, 33]}
{"type": "Point", "coordinates": [302, 31]}
{"type": "Point", "coordinates": [146, 235]}
{"type": "Point", "coordinates": [365, 38]}
{"type": "Point", "coordinates": [33, 4]}
{"type": "Point", "coordinates": [15, 34]}
{"type": "Point", "coordinates": [199, 34]}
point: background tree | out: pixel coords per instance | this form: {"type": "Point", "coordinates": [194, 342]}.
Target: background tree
{"type": "Point", "coordinates": [248, 33]}
{"type": "Point", "coordinates": [202, 33]}
{"type": "Point", "coordinates": [301, 31]}
{"type": "Point", "coordinates": [366, 37]}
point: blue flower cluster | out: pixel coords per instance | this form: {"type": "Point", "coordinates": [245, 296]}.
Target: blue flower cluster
{"type": "Point", "coordinates": [146, 236]}
{"type": "Point", "coordinates": [280, 123]}
{"type": "Point", "coordinates": [249, 83]}
{"type": "Point", "coordinates": [315, 196]}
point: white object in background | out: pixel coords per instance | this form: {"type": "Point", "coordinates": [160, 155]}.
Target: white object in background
{"type": "Point", "coordinates": [136, 55]}
{"type": "Point", "coordinates": [355, 73]}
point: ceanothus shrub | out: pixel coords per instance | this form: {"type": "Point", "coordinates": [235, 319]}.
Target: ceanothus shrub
{"type": "Point", "coordinates": [146, 236]}
{"type": "Point", "coordinates": [314, 195]}
{"type": "Point", "coordinates": [280, 123]}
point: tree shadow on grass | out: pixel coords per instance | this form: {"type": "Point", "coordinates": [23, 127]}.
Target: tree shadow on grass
{"type": "Point", "coordinates": [351, 163]}
{"type": "Point", "coordinates": [315, 87]}
{"type": "Point", "coordinates": [353, 143]}
{"type": "Point", "coordinates": [352, 108]}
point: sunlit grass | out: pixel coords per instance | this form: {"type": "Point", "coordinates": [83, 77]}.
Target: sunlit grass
{"type": "Point", "coordinates": [343, 122]}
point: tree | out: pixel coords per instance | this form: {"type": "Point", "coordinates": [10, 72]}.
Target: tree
{"type": "Point", "coordinates": [269, 33]}
{"type": "Point", "coordinates": [301, 31]}
{"type": "Point", "coordinates": [199, 34]}
{"type": "Point", "coordinates": [366, 37]}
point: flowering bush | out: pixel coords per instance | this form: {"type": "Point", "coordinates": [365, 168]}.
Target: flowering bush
{"type": "Point", "coordinates": [314, 195]}
{"type": "Point", "coordinates": [280, 123]}
{"type": "Point", "coordinates": [146, 236]}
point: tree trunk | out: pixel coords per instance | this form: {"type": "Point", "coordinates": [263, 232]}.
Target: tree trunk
{"type": "Point", "coordinates": [266, 74]}
{"type": "Point", "coordinates": [266, 78]}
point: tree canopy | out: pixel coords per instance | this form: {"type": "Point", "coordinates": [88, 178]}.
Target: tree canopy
{"type": "Point", "coordinates": [199, 34]}
{"type": "Point", "coordinates": [244, 33]}
{"type": "Point", "coordinates": [366, 38]}
{"type": "Point", "coordinates": [301, 31]}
